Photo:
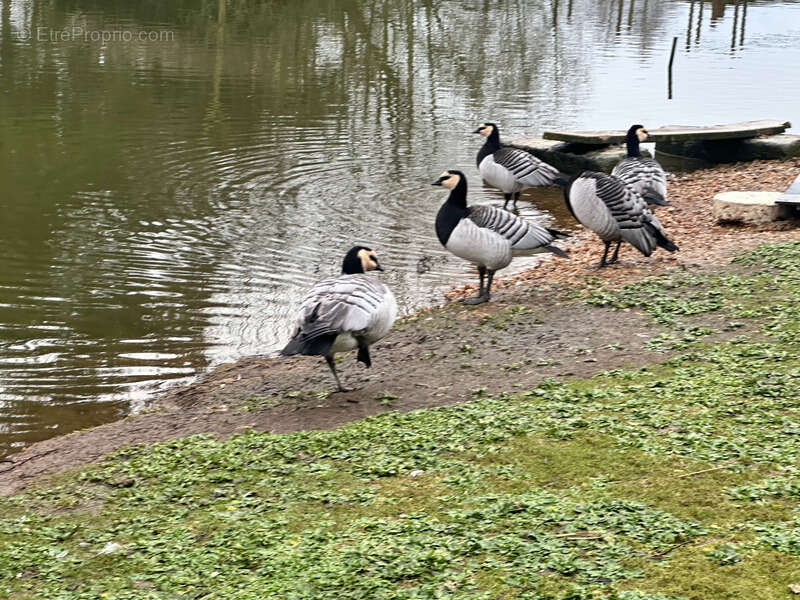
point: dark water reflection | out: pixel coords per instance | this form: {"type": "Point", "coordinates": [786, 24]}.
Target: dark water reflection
{"type": "Point", "coordinates": [165, 201]}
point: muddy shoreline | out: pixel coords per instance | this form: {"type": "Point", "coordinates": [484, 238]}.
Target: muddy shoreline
{"type": "Point", "coordinates": [533, 329]}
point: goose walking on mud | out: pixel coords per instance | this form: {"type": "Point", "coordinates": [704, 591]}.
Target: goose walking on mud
{"type": "Point", "coordinates": [511, 170]}
{"type": "Point", "coordinates": [349, 311]}
{"type": "Point", "coordinates": [486, 236]}
{"type": "Point", "coordinates": [641, 173]}
{"type": "Point", "coordinates": [616, 213]}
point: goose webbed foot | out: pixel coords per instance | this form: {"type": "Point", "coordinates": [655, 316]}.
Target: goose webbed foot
{"type": "Point", "coordinates": [603, 261]}
{"type": "Point", "coordinates": [483, 291]}
{"type": "Point", "coordinates": [479, 299]}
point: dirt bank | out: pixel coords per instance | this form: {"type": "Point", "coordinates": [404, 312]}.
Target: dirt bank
{"type": "Point", "coordinates": [532, 330]}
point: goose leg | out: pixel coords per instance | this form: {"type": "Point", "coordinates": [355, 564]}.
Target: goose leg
{"type": "Point", "coordinates": [516, 197]}
{"type": "Point", "coordinates": [339, 386]}
{"type": "Point", "coordinates": [603, 261]}
{"type": "Point", "coordinates": [483, 294]}
{"type": "Point", "coordinates": [489, 284]}
{"type": "Point", "coordinates": [616, 253]}
{"type": "Point", "coordinates": [505, 204]}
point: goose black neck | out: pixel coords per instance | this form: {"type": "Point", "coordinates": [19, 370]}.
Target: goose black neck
{"type": "Point", "coordinates": [458, 195]}
{"type": "Point", "coordinates": [632, 142]}
{"type": "Point", "coordinates": [451, 212]}
{"type": "Point", "coordinates": [491, 145]}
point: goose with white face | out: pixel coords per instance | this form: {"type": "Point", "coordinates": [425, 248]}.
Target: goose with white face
{"type": "Point", "coordinates": [346, 312]}
{"type": "Point", "coordinates": [616, 213]}
{"type": "Point", "coordinates": [486, 236]}
{"type": "Point", "coordinates": [641, 173]}
{"type": "Point", "coordinates": [511, 170]}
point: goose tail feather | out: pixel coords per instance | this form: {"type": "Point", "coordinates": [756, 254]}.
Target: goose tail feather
{"type": "Point", "coordinates": [661, 240]}
{"type": "Point", "coordinates": [559, 235]}
{"type": "Point", "coordinates": [557, 251]}
{"type": "Point", "coordinates": [656, 200]}
{"type": "Point", "coordinates": [310, 343]}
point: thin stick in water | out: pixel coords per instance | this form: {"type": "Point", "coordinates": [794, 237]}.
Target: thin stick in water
{"type": "Point", "coordinates": [671, 60]}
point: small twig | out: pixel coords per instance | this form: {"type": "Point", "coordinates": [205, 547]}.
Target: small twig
{"type": "Point", "coordinates": [704, 471]}
{"type": "Point", "coordinates": [577, 534]}
{"type": "Point", "coordinates": [668, 550]}
{"type": "Point", "coordinates": [16, 464]}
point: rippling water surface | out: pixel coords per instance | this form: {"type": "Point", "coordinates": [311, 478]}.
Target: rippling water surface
{"type": "Point", "coordinates": [169, 194]}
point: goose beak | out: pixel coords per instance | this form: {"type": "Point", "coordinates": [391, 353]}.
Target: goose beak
{"type": "Point", "coordinates": [438, 181]}
{"type": "Point", "coordinates": [478, 130]}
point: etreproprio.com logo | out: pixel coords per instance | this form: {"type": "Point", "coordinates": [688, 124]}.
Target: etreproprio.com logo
{"type": "Point", "coordinates": [81, 34]}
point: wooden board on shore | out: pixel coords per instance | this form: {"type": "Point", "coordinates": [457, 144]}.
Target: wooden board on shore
{"type": "Point", "coordinates": [675, 133]}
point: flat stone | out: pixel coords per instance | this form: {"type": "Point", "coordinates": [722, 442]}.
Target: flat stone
{"type": "Point", "coordinates": [676, 133]}
{"type": "Point", "coordinates": [749, 207]}
{"type": "Point", "coordinates": [792, 195]}
{"type": "Point", "coordinates": [769, 147]}
{"type": "Point", "coordinates": [571, 158]}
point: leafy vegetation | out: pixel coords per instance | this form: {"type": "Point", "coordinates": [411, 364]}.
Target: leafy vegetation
{"type": "Point", "coordinates": [673, 481]}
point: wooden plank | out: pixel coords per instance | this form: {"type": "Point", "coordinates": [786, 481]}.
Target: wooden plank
{"type": "Point", "coordinates": [676, 133]}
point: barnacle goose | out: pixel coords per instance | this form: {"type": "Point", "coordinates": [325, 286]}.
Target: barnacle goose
{"type": "Point", "coordinates": [352, 310]}
{"type": "Point", "coordinates": [616, 213]}
{"type": "Point", "coordinates": [643, 174]}
{"type": "Point", "coordinates": [510, 169]}
{"type": "Point", "coordinates": [485, 235]}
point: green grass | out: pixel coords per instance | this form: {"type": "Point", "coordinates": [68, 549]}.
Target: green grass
{"type": "Point", "coordinates": [679, 480]}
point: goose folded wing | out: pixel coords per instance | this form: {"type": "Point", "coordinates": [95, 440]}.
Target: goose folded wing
{"type": "Point", "coordinates": [654, 186]}
{"type": "Point", "coordinates": [522, 234]}
{"type": "Point", "coordinates": [638, 226]}
{"type": "Point", "coordinates": [645, 176]}
{"type": "Point", "coordinates": [526, 167]}
{"type": "Point", "coordinates": [625, 205]}
{"type": "Point", "coordinates": [343, 304]}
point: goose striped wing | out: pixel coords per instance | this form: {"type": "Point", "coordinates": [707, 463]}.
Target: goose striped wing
{"type": "Point", "coordinates": [525, 167]}
{"type": "Point", "coordinates": [612, 210]}
{"type": "Point", "coordinates": [347, 303]}
{"type": "Point", "coordinates": [645, 176]}
{"type": "Point", "coordinates": [522, 234]}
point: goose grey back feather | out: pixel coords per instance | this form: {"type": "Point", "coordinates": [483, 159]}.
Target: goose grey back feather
{"type": "Point", "coordinates": [614, 211]}
{"type": "Point", "coordinates": [645, 176]}
{"type": "Point", "coordinates": [512, 169]}
{"type": "Point", "coordinates": [355, 304]}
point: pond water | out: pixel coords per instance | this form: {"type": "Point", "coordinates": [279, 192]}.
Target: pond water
{"type": "Point", "coordinates": [176, 174]}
